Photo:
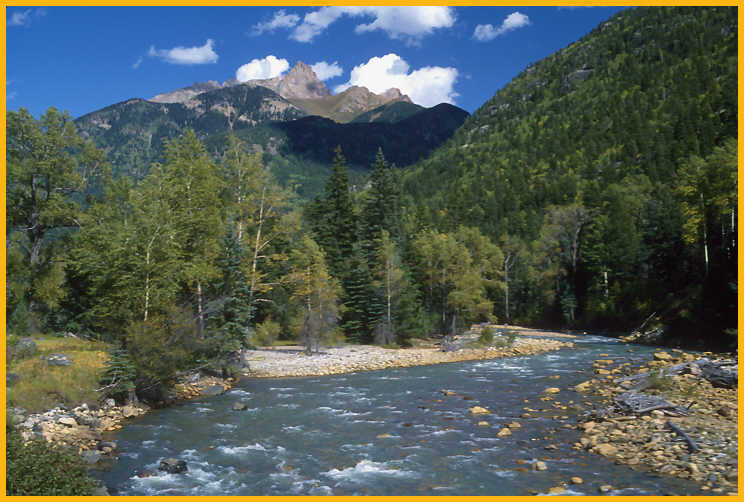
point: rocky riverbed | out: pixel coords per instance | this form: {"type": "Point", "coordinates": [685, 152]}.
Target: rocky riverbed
{"type": "Point", "coordinates": [291, 361]}
{"type": "Point", "coordinates": [645, 441]}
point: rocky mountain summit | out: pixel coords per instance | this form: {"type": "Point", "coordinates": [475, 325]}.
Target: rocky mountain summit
{"type": "Point", "coordinates": [304, 89]}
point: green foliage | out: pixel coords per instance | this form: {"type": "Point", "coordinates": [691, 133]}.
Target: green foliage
{"type": "Point", "coordinates": [38, 468]}
{"type": "Point", "coordinates": [657, 380]}
{"type": "Point", "coordinates": [48, 167]}
{"type": "Point", "coordinates": [118, 378]}
{"type": "Point", "coordinates": [486, 336]}
{"type": "Point", "coordinates": [314, 291]}
{"type": "Point", "coordinates": [162, 346]}
{"type": "Point", "coordinates": [267, 332]}
{"type": "Point", "coordinates": [612, 163]}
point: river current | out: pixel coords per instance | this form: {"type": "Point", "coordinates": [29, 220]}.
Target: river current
{"type": "Point", "coordinates": [389, 432]}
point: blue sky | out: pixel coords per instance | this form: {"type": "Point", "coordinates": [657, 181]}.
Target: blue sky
{"type": "Point", "coordinates": [81, 59]}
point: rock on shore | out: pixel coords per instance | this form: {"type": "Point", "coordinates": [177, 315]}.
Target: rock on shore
{"type": "Point", "coordinates": [82, 428]}
{"type": "Point", "coordinates": [645, 441]}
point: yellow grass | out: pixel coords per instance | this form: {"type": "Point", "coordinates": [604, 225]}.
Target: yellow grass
{"type": "Point", "coordinates": [42, 386]}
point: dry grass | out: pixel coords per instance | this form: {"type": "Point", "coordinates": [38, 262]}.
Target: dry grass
{"type": "Point", "coordinates": [41, 386]}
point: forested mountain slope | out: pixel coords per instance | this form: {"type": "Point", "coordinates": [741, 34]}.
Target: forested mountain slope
{"type": "Point", "coordinates": [294, 144]}
{"type": "Point", "coordinates": [589, 163]}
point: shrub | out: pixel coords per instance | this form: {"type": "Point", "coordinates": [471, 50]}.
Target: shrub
{"type": "Point", "coordinates": [118, 379]}
{"type": "Point", "coordinates": [486, 336]}
{"type": "Point", "coordinates": [267, 332]}
{"type": "Point", "coordinates": [506, 340]}
{"type": "Point", "coordinates": [38, 468]}
{"type": "Point", "coordinates": [659, 381]}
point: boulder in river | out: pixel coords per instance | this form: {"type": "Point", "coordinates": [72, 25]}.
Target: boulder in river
{"type": "Point", "coordinates": [540, 466]}
{"type": "Point", "coordinates": [173, 466]}
{"type": "Point", "coordinates": [477, 410]}
{"type": "Point", "coordinates": [239, 406]}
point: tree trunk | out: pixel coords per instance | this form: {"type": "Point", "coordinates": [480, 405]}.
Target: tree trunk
{"type": "Point", "coordinates": [199, 308]}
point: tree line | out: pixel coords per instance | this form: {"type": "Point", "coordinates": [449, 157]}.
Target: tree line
{"type": "Point", "coordinates": [208, 255]}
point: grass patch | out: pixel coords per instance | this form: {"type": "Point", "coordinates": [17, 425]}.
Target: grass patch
{"type": "Point", "coordinates": [657, 380]}
{"type": "Point", "coordinates": [41, 386]}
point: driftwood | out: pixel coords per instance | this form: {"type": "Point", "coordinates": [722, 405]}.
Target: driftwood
{"type": "Point", "coordinates": [636, 403]}
{"type": "Point", "coordinates": [720, 373]}
{"type": "Point", "coordinates": [683, 435]}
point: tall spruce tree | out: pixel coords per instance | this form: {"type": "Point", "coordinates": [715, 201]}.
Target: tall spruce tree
{"type": "Point", "coordinates": [333, 219]}
{"type": "Point", "coordinates": [381, 208]}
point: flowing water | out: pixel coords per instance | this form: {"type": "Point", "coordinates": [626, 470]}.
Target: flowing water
{"type": "Point", "coordinates": [389, 432]}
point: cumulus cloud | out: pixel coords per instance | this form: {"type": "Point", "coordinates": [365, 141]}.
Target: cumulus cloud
{"type": "Point", "coordinates": [487, 32]}
{"type": "Point", "coordinates": [280, 20]}
{"type": "Point", "coordinates": [24, 18]}
{"type": "Point", "coordinates": [408, 23]}
{"type": "Point", "coordinates": [268, 67]}
{"type": "Point", "coordinates": [326, 71]}
{"type": "Point", "coordinates": [187, 55]}
{"type": "Point", "coordinates": [427, 86]}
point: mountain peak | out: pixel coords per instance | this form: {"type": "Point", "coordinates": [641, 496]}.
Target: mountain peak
{"type": "Point", "coordinates": [302, 83]}
{"type": "Point", "coordinates": [394, 94]}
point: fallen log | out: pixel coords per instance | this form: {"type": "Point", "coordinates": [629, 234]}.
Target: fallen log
{"type": "Point", "coordinates": [723, 373]}
{"type": "Point", "coordinates": [683, 435]}
{"type": "Point", "coordinates": [637, 402]}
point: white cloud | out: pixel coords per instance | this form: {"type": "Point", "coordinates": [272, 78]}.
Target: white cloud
{"type": "Point", "coordinates": [326, 71]}
{"type": "Point", "coordinates": [487, 32]}
{"type": "Point", "coordinates": [268, 67]}
{"type": "Point", "coordinates": [280, 20]}
{"type": "Point", "coordinates": [408, 23]}
{"type": "Point", "coordinates": [187, 55]}
{"type": "Point", "coordinates": [24, 18]}
{"type": "Point", "coordinates": [426, 86]}
{"type": "Point", "coordinates": [137, 63]}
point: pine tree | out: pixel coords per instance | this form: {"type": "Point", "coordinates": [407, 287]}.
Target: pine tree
{"type": "Point", "coordinates": [334, 221]}
{"type": "Point", "coordinates": [236, 311]}
{"type": "Point", "coordinates": [381, 208]}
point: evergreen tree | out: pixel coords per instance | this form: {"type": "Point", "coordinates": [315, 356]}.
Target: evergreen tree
{"type": "Point", "coordinates": [380, 208]}
{"type": "Point", "coordinates": [236, 311]}
{"type": "Point", "coordinates": [334, 220]}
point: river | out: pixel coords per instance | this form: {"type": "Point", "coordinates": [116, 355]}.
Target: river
{"type": "Point", "coordinates": [389, 432]}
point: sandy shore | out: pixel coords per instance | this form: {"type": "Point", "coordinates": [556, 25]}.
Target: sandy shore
{"type": "Point", "coordinates": [290, 361]}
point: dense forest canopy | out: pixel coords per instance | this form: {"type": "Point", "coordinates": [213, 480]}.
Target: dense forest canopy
{"type": "Point", "coordinates": [608, 170]}
{"type": "Point", "coordinates": [597, 190]}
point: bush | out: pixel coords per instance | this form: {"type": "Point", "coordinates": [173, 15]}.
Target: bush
{"type": "Point", "coordinates": [160, 347]}
{"type": "Point", "coordinates": [659, 381]}
{"type": "Point", "coordinates": [486, 336]}
{"type": "Point", "coordinates": [506, 340]}
{"type": "Point", "coordinates": [118, 379]}
{"type": "Point", "coordinates": [267, 332]}
{"type": "Point", "coordinates": [38, 468]}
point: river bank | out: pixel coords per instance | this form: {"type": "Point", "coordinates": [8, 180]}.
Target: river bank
{"type": "Point", "coordinates": [291, 361]}
{"type": "Point", "coordinates": [645, 441]}
{"type": "Point", "coordinates": [84, 428]}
